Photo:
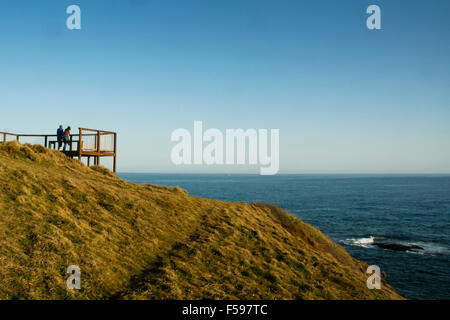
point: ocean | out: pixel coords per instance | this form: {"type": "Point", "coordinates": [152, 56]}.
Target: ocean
{"type": "Point", "coordinates": [358, 212]}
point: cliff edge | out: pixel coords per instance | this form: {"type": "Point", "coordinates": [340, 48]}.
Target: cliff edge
{"type": "Point", "coordinates": [151, 242]}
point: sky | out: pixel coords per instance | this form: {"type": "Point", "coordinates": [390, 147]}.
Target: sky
{"type": "Point", "coordinates": [346, 99]}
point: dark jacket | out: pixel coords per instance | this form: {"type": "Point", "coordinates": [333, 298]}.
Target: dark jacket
{"type": "Point", "coordinates": [60, 133]}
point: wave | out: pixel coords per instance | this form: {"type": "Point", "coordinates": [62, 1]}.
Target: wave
{"type": "Point", "coordinates": [418, 247]}
{"type": "Point", "coordinates": [360, 242]}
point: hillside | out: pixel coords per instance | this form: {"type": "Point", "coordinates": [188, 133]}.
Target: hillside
{"type": "Point", "coordinates": [152, 242]}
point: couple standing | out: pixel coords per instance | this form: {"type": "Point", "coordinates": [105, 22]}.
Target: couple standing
{"type": "Point", "coordinates": [63, 136]}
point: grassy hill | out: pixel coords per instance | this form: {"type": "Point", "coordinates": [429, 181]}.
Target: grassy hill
{"type": "Point", "coordinates": [152, 242]}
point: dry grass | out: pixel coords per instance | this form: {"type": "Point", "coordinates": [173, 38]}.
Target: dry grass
{"type": "Point", "coordinates": [151, 242]}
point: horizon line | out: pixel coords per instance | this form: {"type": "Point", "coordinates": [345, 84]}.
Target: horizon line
{"type": "Point", "coordinates": [278, 174]}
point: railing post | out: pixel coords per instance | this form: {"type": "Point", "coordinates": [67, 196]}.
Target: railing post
{"type": "Point", "coordinates": [98, 142]}
{"type": "Point", "coordinates": [4, 137]}
{"type": "Point", "coordinates": [115, 153]}
{"type": "Point", "coordinates": [80, 143]}
{"type": "Point", "coordinates": [98, 147]}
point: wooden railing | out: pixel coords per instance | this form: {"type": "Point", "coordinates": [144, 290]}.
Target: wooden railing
{"type": "Point", "coordinates": [48, 140]}
{"type": "Point", "coordinates": [98, 150]}
{"type": "Point", "coordinates": [82, 148]}
{"type": "Point", "coordinates": [19, 137]}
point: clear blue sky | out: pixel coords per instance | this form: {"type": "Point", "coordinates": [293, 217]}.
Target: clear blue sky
{"type": "Point", "coordinates": [346, 99]}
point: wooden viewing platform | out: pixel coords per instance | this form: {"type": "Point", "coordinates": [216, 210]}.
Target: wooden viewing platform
{"type": "Point", "coordinates": [88, 143]}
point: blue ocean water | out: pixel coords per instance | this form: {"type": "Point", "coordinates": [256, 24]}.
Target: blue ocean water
{"type": "Point", "coordinates": [355, 211]}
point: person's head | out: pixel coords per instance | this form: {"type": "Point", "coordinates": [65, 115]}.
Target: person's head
{"type": "Point", "coordinates": [68, 128]}
{"type": "Point", "coordinates": [60, 126]}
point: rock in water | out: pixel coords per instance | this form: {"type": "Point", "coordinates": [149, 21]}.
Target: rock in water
{"type": "Point", "coordinates": [397, 246]}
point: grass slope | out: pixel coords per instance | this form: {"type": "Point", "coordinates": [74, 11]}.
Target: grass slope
{"type": "Point", "coordinates": [151, 242]}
